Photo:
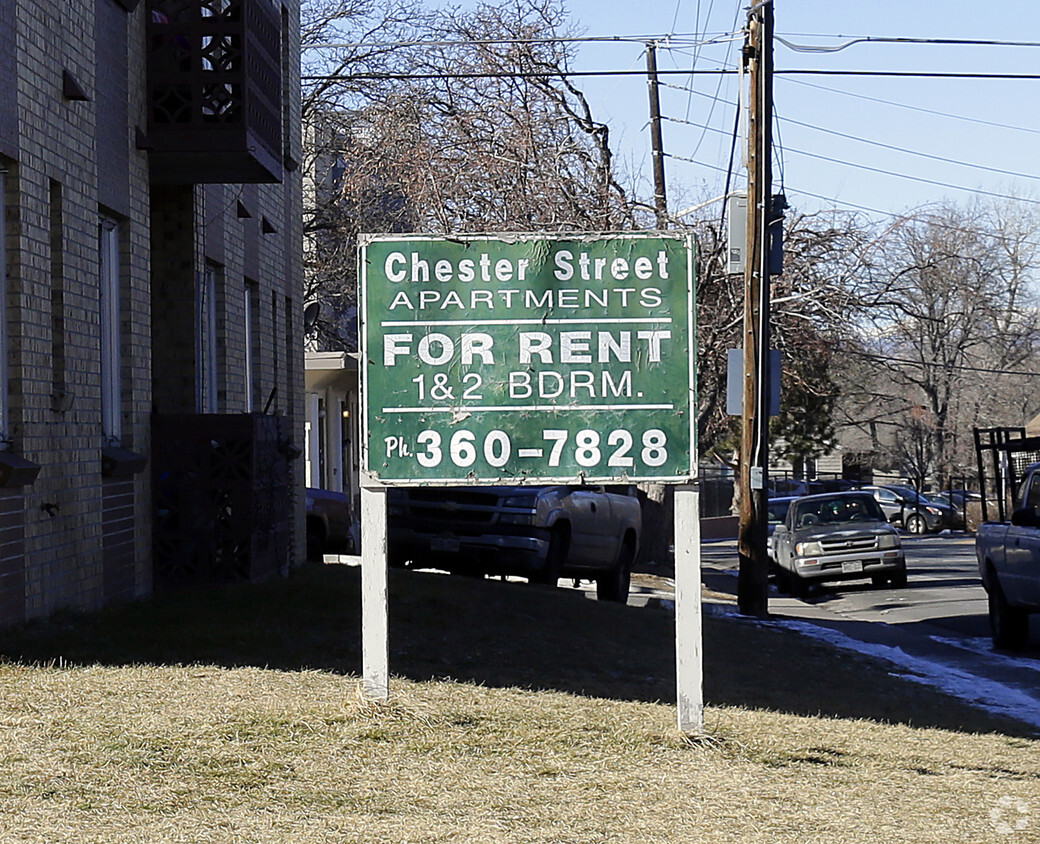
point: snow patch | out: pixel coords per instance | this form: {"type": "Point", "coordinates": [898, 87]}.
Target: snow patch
{"type": "Point", "coordinates": [990, 695]}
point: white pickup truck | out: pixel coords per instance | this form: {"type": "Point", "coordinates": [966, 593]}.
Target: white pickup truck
{"type": "Point", "coordinates": [539, 532]}
{"type": "Point", "coordinates": [1009, 562]}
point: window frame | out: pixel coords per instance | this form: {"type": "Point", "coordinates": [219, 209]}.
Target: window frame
{"type": "Point", "coordinates": [109, 302]}
{"type": "Point", "coordinates": [207, 370]}
{"type": "Point", "coordinates": [5, 348]}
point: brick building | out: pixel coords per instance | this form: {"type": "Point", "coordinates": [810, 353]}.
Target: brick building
{"type": "Point", "coordinates": [151, 364]}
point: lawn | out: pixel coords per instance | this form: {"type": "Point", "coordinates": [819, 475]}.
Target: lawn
{"type": "Point", "coordinates": [518, 714]}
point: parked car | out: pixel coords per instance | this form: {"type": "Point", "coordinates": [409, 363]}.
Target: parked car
{"type": "Point", "coordinates": [837, 536]}
{"type": "Point", "coordinates": [922, 505]}
{"type": "Point", "coordinates": [331, 527]}
{"type": "Point", "coordinates": [539, 532]}
{"type": "Point", "coordinates": [784, 487]}
{"type": "Point", "coordinates": [958, 502]}
{"type": "Point", "coordinates": [777, 513]}
{"type": "Point", "coordinates": [834, 485]}
{"type": "Point", "coordinates": [907, 507]}
{"type": "Point", "coordinates": [957, 497]}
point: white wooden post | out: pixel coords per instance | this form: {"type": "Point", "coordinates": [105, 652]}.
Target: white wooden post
{"type": "Point", "coordinates": [689, 668]}
{"type": "Point", "coordinates": [375, 642]}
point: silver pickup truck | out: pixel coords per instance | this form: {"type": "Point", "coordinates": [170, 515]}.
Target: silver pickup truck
{"type": "Point", "coordinates": [1009, 562]}
{"type": "Point", "coordinates": [542, 533]}
{"type": "Point", "coordinates": [836, 536]}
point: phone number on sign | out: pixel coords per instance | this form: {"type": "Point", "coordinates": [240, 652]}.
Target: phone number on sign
{"type": "Point", "coordinates": [588, 448]}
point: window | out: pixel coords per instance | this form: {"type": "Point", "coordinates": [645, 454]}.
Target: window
{"type": "Point", "coordinates": [249, 315]}
{"type": "Point", "coordinates": [59, 386]}
{"type": "Point", "coordinates": [290, 394]}
{"type": "Point", "coordinates": [207, 370]}
{"type": "Point", "coordinates": [1034, 493]}
{"type": "Point", "coordinates": [111, 380]}
{"type": "Point", "coordinates": [4, 350]}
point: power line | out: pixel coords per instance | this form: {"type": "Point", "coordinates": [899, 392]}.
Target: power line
{"type": "Point", "coordinates": [870, 39]}
{"type": "Point", "coordinates": [870, 169]}
{"type": "Point", "coordinates": [909, 74]}
{"type": "Point", "coordinates": [957, 367]}
{"type": "Point", "coordinates": [698, 163]}
{"type": "Point", "coordinates": [921, 109]}
{"type": "Point", "coordinates": [867, 208]}
{"type": "Point", "coordinates": [911, 151]}
{"type": "Point", "coordinates": [695, 39]}
{"type": "Point", "coordinates": [690, 39]}
{"type": "Point", "coordinates": [889, 214]}
{"type": "Point", "coordinates": [920, 179]}
{"type": "Point", "coordinates": [868, 141]}
{"type": "Point", "coordinates": [560, 74]}
{"type": "Point", "coordinates": [532, 74]}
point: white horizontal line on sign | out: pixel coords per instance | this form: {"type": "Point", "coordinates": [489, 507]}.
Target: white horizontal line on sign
{"type": "Point", "coordinates": [611, 320]}
{"type": "Point", "coordinates": [530, 452]}
{"type": "Point", "coordinates": [513, 408]}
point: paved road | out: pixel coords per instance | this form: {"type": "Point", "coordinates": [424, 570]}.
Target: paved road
{"type": "Point", "coordinates": [944, 588]}
{"type": "Point", "coordinates": [940, 617]}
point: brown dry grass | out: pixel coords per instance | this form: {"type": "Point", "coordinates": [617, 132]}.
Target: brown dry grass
{"type": "Point", "coordinates": [160, 722]}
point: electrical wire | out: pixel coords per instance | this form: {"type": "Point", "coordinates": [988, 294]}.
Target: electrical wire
{"type": "Point", "coordinates": [957, 367]}
{"type": "Point", "coordinates": [870, 142]}
{"type": "Point", "coordinates": [688, 39]}
{"type": "Point", "coordinates": [871, 39]}
{"type": "Point", "coordinates": [879, 170]}
{"type": "Point", "coordinates": [778, 151]}
{"type": "Point", "coordinates": [696, 39]}
{"type": "Point", "coordinates": [920, 109]}
{"type": "Point", "coordinates": [718, 85]}
{"type": "Point", "coordinates": [908, 74]}
{"type": "Point", "coordinates": [899, 74]}
{"type": "Point", "coordinates": [715, 167]}
{"type": "Point", "coordinates": [729, 172]}
{"type": "Point", "coordinates": [927, 155]}
{"type": "Point", "coordinates": [907, 176]}
{"type": "Point", "coordinates": [534, 74]}
{"type": "Point", "coordinates": [889, 214]}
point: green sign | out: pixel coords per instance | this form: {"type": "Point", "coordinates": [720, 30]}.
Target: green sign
{"type": "Point", "coordinates": [506, 358]}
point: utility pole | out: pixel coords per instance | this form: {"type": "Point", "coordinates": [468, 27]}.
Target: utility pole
{"type": "Point", "coordinates": [753, 575]}
{"type": "Point", "coordinates": [660, 199]}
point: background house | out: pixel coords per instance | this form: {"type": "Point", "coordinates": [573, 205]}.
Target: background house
{"type": "Point", "coordinates": [151, 392]}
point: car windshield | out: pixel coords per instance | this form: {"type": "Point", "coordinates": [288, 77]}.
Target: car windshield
{"type": "Point", "coordinates": [837, 510]}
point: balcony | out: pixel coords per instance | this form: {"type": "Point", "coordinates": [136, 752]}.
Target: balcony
{"type": "Point", "coordinates": [214, 91]}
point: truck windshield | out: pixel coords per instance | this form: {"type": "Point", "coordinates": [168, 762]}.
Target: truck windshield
{"type": "Point", "coordinates": [858, 508]}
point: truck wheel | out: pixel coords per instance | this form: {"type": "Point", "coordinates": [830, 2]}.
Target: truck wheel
{"type": "Point", "coordinates": [799, 586]}
{"type": "Point", "coordinates": [1009, 625]}
{"type": "Point", "coordinates": [783, 581]}
{"type": "Point", "coordinates": [915, 524]}
{"type": "Point", "coordinates": [614, 584]}
{"type": "Point", "coordinates": [898, 580]}
{"type": "Point", "coordinates": [315, 545]}
{"type": "Point", "coordinates": [555, 558]}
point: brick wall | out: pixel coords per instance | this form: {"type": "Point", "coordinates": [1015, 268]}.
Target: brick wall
{"type": "Point", "coordinates": [74, 538]}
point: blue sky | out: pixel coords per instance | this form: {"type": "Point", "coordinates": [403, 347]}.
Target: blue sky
{"type": "Point", "coordinates": [953, 119]}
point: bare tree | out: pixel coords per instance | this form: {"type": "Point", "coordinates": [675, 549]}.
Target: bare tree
{"type": "Point", "coordinates": [446, 121]}
{"type": "Point", "coordinates": [955, 312]}
{"type": "Point", "coordinates": [813, 302]}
